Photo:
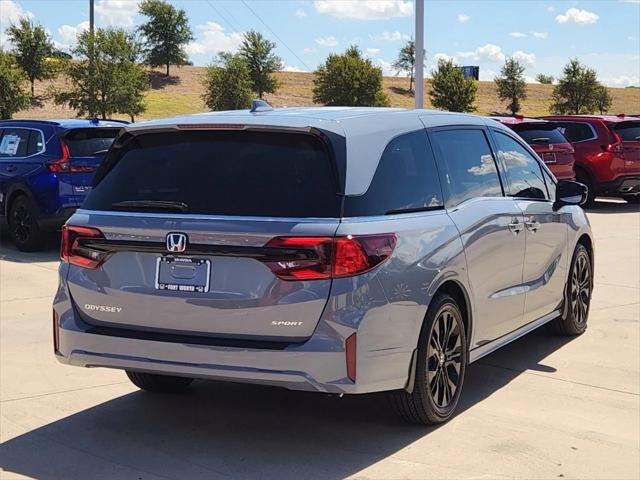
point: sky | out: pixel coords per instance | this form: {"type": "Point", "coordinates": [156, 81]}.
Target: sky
{"type": "Point", "coordinates": [543, 35]}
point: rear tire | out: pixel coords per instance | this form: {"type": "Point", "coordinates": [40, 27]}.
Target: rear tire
{"type": "Point", "coordinates": [577, 296]}
{"type": "Point", "coordinates": [440, 366]}
{"type": "Point", "coordinates": [151, 382]}
{"type": "Point", "coordinates": [23, 226]}
{"type": "Point", "coordinates": [584, 178]}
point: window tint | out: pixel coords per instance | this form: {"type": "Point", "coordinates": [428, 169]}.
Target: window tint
{"type": "Point", "coordinates": [36, 142]}
{"type": "Point", "coordinates": [468, 167]}
{"type": "Point", "coordinates": [89, 141]}
{"type": "Point", "coordinates": [576, 131]}
{"type": "Point", "coordinates": [14, 142]}
{"type": "Point", "coordinates": [628, 131]}
{"type": "Point", "coordinates": [223, 173]}
{"type": "Point", "coordinates": [523, 170]}
{"type": "Point", "coordinates": [533, 135]}
{"type": "Point", "coordinates": [406, 179]}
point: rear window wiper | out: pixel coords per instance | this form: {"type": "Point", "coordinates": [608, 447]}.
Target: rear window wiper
{"type": "Point", "coordinates": [540, 140]}
{"type": "Point", "coordinates": [152, 205]}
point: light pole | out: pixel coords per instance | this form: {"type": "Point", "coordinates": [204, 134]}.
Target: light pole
{"type": "Point", "coordinates": [419, 52]}
{"type": "Point", "coordinates": [91, 17]}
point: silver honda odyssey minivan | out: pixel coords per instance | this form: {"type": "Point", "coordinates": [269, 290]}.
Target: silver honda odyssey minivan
{"type": "Point", "coordinates": [336, 250]}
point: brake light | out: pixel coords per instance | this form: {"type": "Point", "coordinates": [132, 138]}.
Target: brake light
{"type": "Point", "coordinates": [63, 165]}
{"type": "Point", "coordinates": [616, 146]}
{"type": "Point", "coordinates": [73, 248]}
{"type": "Point", "coordinates": [325, 257]}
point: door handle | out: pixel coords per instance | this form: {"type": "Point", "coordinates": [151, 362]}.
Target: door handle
{"type": "Point", "coordinates": [532, 226]}
{"type": "Point", "coordinates": [11, 168]}
{"type": "Point", "coordinates": [516, 227]}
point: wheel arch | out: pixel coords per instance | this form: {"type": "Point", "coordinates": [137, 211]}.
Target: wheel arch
{"type": "Point", "coordinates": [458, 292]}
{"type": "Point", "coordinates": [15, 191]}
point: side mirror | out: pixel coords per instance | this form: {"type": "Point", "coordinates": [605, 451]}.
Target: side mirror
{"type": "Point", "coordinates": [569, 192]}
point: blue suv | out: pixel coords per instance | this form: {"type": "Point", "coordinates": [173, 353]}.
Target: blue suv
{"type": "Point", "coordinates": [46, 170]}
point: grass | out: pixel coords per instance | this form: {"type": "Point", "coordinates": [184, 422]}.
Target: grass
{"type": "Point", "coordinates": [181, 94]}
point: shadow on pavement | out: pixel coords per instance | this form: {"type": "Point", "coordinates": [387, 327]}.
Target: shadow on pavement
{"type": "Point", "coordinates": [244, 431]}
{"type": "Point", "coordinates": [9, 253]}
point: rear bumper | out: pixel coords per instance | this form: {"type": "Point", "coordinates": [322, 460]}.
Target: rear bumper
{"type": "Point", "coordinates": [627, 185]}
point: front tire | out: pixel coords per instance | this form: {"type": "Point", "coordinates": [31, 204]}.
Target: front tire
{"type": "Point", "coordinates": [158, 383]}
{"type": "Point", "coordinates": [23, 226]}
{"type": "Point", "coordinates": [584, 178]}
{"type": "Point", "coordinates": [440, 367]}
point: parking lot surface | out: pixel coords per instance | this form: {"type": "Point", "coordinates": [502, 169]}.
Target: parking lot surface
{"type": "Point", "coordinates": [543, 407]}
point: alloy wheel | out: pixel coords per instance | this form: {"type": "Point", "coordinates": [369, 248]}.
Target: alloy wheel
{"type": "Point", "coordinates": [22, 224]}
{"type": "Point", "coordinates": [444, 357]}
{"type": "Point", "coordinates": [581, 288]}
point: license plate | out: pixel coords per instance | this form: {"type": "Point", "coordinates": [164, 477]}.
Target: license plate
{"type": "Point", "coordinates": [183, 274]}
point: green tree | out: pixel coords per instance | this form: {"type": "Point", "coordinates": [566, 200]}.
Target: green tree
{"type": "Point", "coordinates": [406, 61]}
{"type": "Point", "coordinates": [166, 33]}
{"type": "Point", "coordinates": [13, 97]}
{"type": "Point", "coordinates": [603, 99]}
{"type": "Point", "coordinates": [118, 83]}
{"type": "Point", "coordinates": [349, 80]}
{"type": "Point", "coordinates": [228, 84]}
{"type": "Point", "coordinates": [450, 90]}
{"type": "Point", "coordinates": [257, 52]}
{"type": "Point", "coordinates": [511, 84]}
{"type": "Point", "coordinates": [32, 48]}
{"type": "Point", "coordinates": [576, 91]}
{"type": "Point", "coordinates": [545, 79]}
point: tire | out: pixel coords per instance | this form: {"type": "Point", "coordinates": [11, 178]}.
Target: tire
{"type": "Point", "coordinates": [158, 383]}
{"type": "Point", "coordinates": [428, 403]}
{"type": "Point", "coordinates": [23, 226]}
{"type": "Point", "coordinates": [583, 177]}
{"type": "Point", "coordinates": [577, 296]}
{"type": "Point", "coordinates": [633, 199]}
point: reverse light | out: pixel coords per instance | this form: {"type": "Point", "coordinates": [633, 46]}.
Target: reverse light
{"type": "Point", "coordinates": [73, 248]}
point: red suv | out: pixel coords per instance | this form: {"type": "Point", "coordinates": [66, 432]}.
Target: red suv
{"type": "Point", "coordinates": [547, 141]}
{"type": "Point", "coordinates": [607, 153]}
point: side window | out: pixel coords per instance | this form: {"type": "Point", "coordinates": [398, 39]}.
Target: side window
{"type": "Point", "coordinates": [14, 142]}
{"type": "Point", "coordinates": [576, 131]}
{"type": "Point", "coordinates": [523, 170]}
{"type": "Point", "coordinates": [406, 179]}
{"type": "Point", "coordinates": [467, 165]}
{"type": "Point", "coordinates": [36, 142]}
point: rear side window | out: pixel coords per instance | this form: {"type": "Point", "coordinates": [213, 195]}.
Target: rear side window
{"type": "Point", "coordinates": [628, 131]}
{"type": "Point", "coordinates": [576, 131]}
{"type": "Point", "coordinates": [467, 165]}
{"type": "Point", "coordinates": [223, 173]}
{"type": "Point", "coordinates": [534, 135]}
{"type": "Point", "coordinates": [20, 142]}
{"type": "Point", "coordinates": [523, 170]}
{"type": "Point", "coordinates": [406, 180]}
{"type": "Point", "coordinates": [87, 142]}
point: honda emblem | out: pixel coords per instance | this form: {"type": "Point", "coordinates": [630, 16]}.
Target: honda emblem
{"type": "Point", "coordinates": [176, 242]}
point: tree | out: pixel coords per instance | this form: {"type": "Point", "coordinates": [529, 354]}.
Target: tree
{"type": "Point", "coordinates": [406, 61]}
{"type": "Point", "coordinates": [32, 48]}
{"type": "Point", "coordinates": [350, 80]}
{"type": "Point", "coordinates": [450, 90]}
{"type": "Point", "coordinates": [576, 90]}
{"type": "Point", "coordinates": [118, 83]}
{"type": "Point", "coordinates": [603, 99]}
{"type": "Point", "coordinates": [228, 84]}
{"type": "Point", "coordinates": [256, 51]}
{"type": "Point", "coordinates": [13, 97]}
{"type": "Point", "coordinates": [511, 84]}
{"type": "Point", "coordinates": [166, 34]}
{"type": "Point", "coordinates": [545, 79]}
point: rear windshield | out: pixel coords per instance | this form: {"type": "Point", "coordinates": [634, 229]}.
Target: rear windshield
{"type": "Point", "coordinates": [534, 135]}
{"type": "Point", "coordinates": [87, 142]}
{"type": "Point", "coordinates": [628, 131]}
{"type": "Point", "coordinates": [244, 173]}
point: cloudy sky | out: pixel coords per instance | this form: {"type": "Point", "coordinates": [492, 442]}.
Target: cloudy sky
{"type": "Point", "coordinates": [541, 34]}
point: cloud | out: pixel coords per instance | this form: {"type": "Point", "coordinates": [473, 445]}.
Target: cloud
{"type": "Point", "coordinates": [518, 34]}
{"type": "Point", "coordinates": [364, 9]}
{"type": "Point", "coordinates": [329, 41]}
{"type": "Point", "coordinates": [541, 35]}
{"type": "Point", "coordinates": [551, 8]}
{"type": "Point", "coordinates": [69, 33]}
{"type": "Point", "coordinates": [213, 39]}
{"type": "Point", "coordinates": [463, 18]}
{"type": "Point", "coordinates": [488, 52]}
{"type": "Point", "coordinates": [293, 68]}
{"type": "Point", "coordinates": [372, 52]}
{"type": "Point", "coordinates": [577, 16]}
{"type": "Point", "coordinates": [622, 81]}
{"type": "Point", "coordinates": [528, 59]}
{"type": "Point", "coordinates": [300, 13]}
{"type": "Point", "coordinates": [12, 12]}
{"type": "Point", "coordinates": [390, 36]}
{"type": "Point", "coordinates": [486, 74]}
{"type": "Point", "coordinates": [442, 56]}
{"type": "Point", "coordinates": [116, 13]}
{"type": "Point", "coordinates": [387, 68]}
{"type": "Point", "coordinates": [307, 50]}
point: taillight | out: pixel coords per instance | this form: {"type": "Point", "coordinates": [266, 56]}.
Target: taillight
{"type": "Point", "coordinates": [325, 257]}
{"type": "Point", "coordinates": [73, 248]}
{"type": "Point", "coordinates": [63, 165]}
{"type": "Point", "coordinates": [616, 146]}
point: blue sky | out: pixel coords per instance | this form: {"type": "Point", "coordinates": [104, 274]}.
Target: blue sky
{"type": "Point", "coordinates": [542, 34]}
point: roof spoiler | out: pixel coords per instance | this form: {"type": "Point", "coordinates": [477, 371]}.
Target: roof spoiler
{"type": "Point", "coordinates": [98, 120]}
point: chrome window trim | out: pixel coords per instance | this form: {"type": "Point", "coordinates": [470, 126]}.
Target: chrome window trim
{"type": "Point", "coordinates": [44, 145]}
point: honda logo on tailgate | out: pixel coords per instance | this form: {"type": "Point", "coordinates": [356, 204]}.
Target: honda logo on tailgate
{"type": "Point", "coordinates": [176, 242]}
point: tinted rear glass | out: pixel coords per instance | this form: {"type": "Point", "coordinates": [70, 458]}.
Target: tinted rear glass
{"type": "Point", "coordinates": [537, 135]}
{"type": "Point", "coordinates": [628, 131]}
{"type": "Point", "coordinates": [224, 173]}
{"type": "Point", "coordinates": [576, 131]}
{"type": "Point", "coordinates": [87, 142]}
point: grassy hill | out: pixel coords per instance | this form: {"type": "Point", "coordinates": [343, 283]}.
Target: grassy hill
{"type": "Point", "coordinates": [180, 94]}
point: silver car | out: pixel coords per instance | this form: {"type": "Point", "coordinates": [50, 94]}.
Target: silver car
{"type": "Point", "coordinates": [336, 250]}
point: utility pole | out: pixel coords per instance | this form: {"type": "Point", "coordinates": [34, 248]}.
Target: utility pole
{"type": "Point", "coordinates": [419, 54]}
{"type": "Point", "coordinates": [91, 17]}
{"type": "Point", "coordinates": [92, 112]}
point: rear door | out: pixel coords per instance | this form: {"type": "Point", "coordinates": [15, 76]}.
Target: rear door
{"type": "Point", "coordinates": [19, 153]}
{"type": "Point", "coordinates": [239, 190]}
{"type": "Point", "coordinates": [629, 133]}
